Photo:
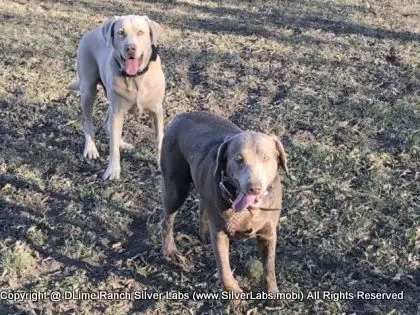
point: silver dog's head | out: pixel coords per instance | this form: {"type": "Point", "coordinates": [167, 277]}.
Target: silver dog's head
{"type": "Point", "coordinates": [131, 37]}
{"type": "Point", "coordinates": [251, 160]}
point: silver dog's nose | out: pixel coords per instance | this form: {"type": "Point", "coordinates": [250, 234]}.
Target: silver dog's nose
{"type": "Point", "coordinates": [130, 49]}
{"type": "Point", "coordinates": [254, 189]}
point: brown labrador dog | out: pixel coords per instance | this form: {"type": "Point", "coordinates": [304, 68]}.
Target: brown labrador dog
{"type": "Point", "coordinates": [236, 175]}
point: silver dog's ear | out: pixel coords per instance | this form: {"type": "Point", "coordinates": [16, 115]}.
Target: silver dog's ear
{"type": "Point", "coordinates": [155, 29]}
{"type": "Point", "coordinates": [282, 155]}
{"type": "Point", "coordinates": [221, 157]}
{"type": "Point", "coordinates": [108, 30]}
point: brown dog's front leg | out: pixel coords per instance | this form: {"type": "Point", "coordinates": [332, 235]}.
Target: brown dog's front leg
{"type": "Point", "coordinates": [220, 242]}
{"type": "Point", "coordinates": [169, 249]}
{"type": "Point", "coordinates": [204, 225]}
{"type": "Point", "coordinates": [267, 247]}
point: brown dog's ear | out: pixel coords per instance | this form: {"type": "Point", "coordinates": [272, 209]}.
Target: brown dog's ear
{"type": "Point", "coordinates": [221, 157]}
{"type": "Point", "coordinates": [108, 30]}
{"type": "Point", "coordinates": [282, 155]}
{"type": "Point", "coordinates": [155, 29]}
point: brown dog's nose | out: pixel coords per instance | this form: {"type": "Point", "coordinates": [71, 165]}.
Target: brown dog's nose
{"type": "Point", "coordinates": [254, 189]}
{"type": "Point", "coordinates": [130, 49]}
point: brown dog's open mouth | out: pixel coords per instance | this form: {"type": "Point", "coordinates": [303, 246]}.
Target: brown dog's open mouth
{"type": "Point", "coordinates": [243, 201]}
{"type": "Point", "coordinates": [132, 65]}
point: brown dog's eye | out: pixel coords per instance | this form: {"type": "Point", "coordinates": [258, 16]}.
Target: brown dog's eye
{"type": "Point", "coordinates": [139, 33]}
{"type": "Point", "coordinates": [121, 32]}
{"type": "Point", "coordinates": [239, 159]}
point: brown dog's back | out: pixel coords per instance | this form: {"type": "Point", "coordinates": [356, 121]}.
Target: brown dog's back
{"type": "Point", "coordinates": [189, 152]}
{"type": "Point", "coordinates": [198, 132]}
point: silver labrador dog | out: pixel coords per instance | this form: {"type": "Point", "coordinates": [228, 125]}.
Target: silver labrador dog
{"type": "Point", "coordinates": [121, 55]}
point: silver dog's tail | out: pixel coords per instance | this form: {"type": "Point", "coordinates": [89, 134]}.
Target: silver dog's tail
{"type": "Point", "coordinates": [75, 85]}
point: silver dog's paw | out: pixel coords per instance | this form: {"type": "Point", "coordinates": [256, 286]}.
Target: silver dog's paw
{"type": "Point", "coordinates": [126, 146]}
{"type": "Point", "coordinates": [90, 151]}
{"type": "Point", "coordinates": [112, 172]}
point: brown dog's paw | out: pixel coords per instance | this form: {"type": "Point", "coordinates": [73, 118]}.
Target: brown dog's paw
{"type": "Point", "coordinates": [234, 302]}
{"type": "Point", "coordinates": [176, 258]}
{"type": "Point", "coordinates": [272, 302]}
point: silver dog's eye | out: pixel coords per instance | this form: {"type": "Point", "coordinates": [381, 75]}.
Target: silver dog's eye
{"type": "Point", "coordinates": [139, 33]}
{"type": "Point", "coordinates": [121, 32]}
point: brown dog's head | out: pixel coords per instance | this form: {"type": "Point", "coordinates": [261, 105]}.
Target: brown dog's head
{"type": "Point", "coordinates": [131, 37]}
{"type": "Point", "coordinates": [251, 160]}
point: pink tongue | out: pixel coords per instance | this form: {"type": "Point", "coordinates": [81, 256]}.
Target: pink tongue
{"type": "Point", "coordinates": [131, 66]}
{"type": "Point", "coordinates": [243, 201]}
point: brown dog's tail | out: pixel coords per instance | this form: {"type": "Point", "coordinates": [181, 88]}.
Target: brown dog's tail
{"type": "Point", "coordinates": [74, 86]}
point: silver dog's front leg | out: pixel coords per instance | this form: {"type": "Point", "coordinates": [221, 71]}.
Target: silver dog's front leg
{"type": "Point", "coordinates": [116, 119]}
{"type": "Point", "coordinates": [123, 145]}
{"type": "Point", "coordinates": [87, 99]}
{"type": "Point", "coordinates": [157, 119]}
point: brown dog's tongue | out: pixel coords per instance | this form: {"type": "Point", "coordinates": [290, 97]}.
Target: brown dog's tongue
{"type": "Point", "coordinates": [242, 202]}
{"type": "Point", "coordinates": [131, 66]}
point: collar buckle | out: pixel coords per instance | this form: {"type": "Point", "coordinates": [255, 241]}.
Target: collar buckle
{"type": "Point", "coordinates": [227, 188]}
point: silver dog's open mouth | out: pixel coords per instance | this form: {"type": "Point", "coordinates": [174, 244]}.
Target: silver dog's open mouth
{"type": "Point", "coordinates": [132, 65]}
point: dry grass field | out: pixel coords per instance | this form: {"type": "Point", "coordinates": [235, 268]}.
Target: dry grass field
{"type": "Point", "coordinates": [338, 81]}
